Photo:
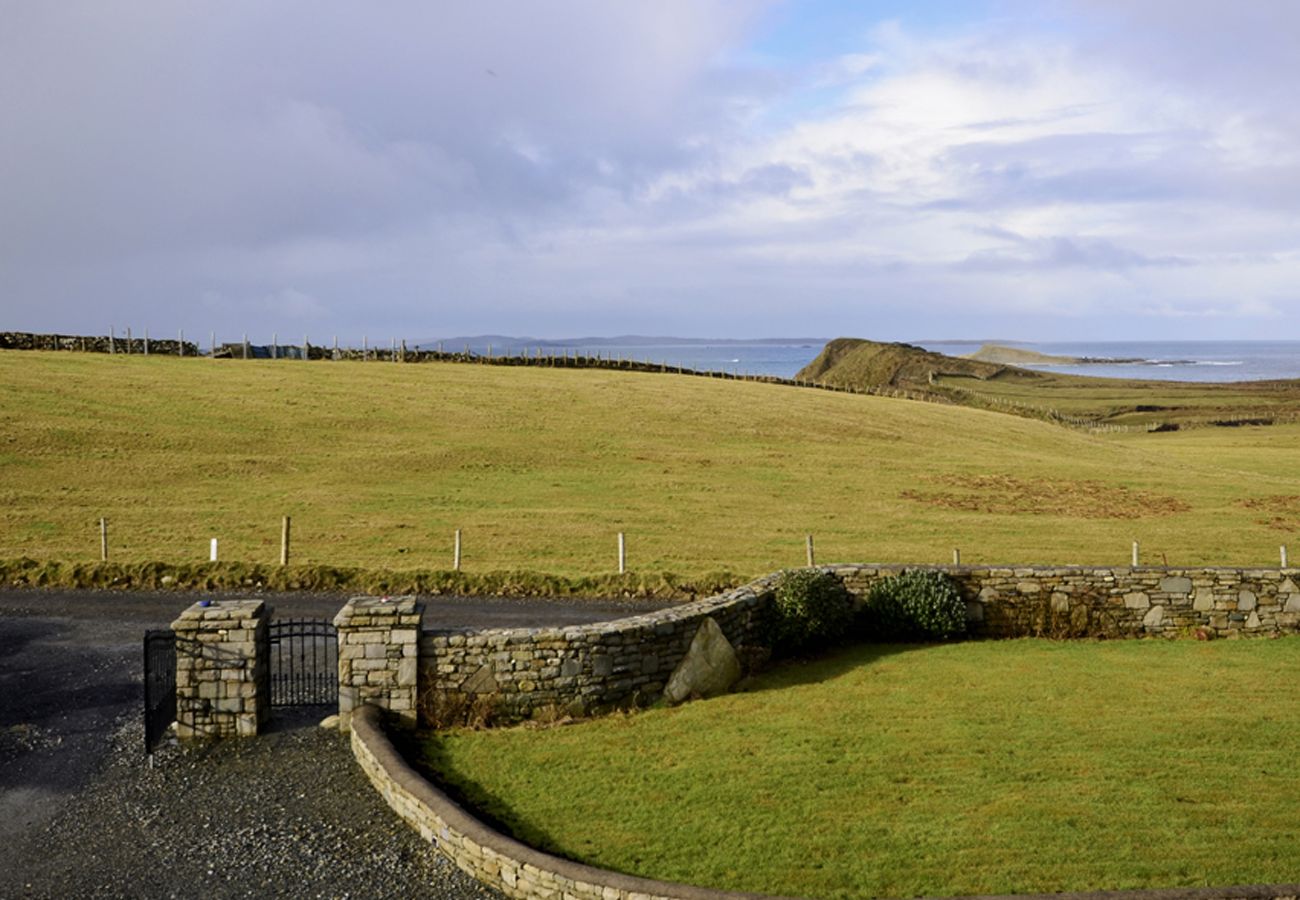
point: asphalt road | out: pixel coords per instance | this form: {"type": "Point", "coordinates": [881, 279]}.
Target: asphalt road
{"type": "Point", "coordinates": [71, 745]}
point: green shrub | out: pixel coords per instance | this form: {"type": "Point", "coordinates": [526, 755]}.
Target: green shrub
{"type": "Point", "coordinates": [812, 609]}
{"type": "Point", "coordinates": [914, 605]}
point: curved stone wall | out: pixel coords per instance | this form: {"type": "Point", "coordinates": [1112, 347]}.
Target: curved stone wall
{"type": "Point", "coordinates": [579, 669]}
{"type": "Point", "coordinates": [583, 669]}
{"type": "Point", "coordinates": [515, 869]}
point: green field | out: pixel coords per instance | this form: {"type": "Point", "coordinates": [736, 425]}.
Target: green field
{"type": "Point", "coordinates": [379, 463]}
{"type": "Point", "coordinates": [992, 767]}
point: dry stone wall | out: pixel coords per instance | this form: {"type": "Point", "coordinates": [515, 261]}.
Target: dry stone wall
{"type": "Point", "coordinates": [584, 668]}
{"type": "Point", "coordinates": [1116, 602]}
{"type": "Point", "coordinates": [23, 340]}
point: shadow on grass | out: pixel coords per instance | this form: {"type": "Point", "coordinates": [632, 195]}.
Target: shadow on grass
{"type": "Point", "coordinates": [791, 672]}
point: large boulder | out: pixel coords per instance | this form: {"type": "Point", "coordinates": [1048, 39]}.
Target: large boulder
{"type": "Point", "coordinates": [710, 666]}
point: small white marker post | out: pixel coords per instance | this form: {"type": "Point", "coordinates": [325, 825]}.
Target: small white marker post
{"type": "Point", "coordinates": [212, 343]}
{"type": "Point", "coordinates": [956, 556]}
{"type": "Point", "coordinates": [275, 338]}
{"type": "Point", "coordinates": [1283, 550]}
{"type": "Point", "coordinates": [808, 547]}
{"type": "Point", "coordinates": [284, 542]}
{"type": "Point", "coordinates": [103, 539]}
{"type": "Point", "coordinates": [622, 553]}
{"type": "Point", "coordinates": [146, 342]}
{"type": "Point", "coordinates": [455, 554]}
{"type": "Point", "coordinates": [1135, 554]}
{"type": "Point", "coordinates": [111, 344]}
{"type": "Point", "coordinates": [180, 342]}
{"type": "Point", "coordinates": [306, 348]}
{"type": "Point", "coordinates": [128, 342]}
{"type": "Point", "coordinates": [245, 345]}
{"type": "Point", "coordinates": [212, 556]}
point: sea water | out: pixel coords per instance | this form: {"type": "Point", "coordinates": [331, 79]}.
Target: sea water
{"type": "Point", "coordinates": [1164, 360]}
{"type": "Point", "coordinates": [1156, 360]}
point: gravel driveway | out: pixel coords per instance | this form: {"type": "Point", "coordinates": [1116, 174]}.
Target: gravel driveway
{"type": "Point", "coordinates": [83, 814]}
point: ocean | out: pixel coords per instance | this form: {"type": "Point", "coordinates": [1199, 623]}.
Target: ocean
{"type": "Point", "coordinates": [1159, 360]}
{"type": "Point", "coordinates": [1165, 360]}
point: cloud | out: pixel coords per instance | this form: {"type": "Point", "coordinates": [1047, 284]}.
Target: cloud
{"type": "Point", "coordinates": [504, 166]}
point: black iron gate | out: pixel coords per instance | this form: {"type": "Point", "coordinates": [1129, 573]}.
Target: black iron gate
{"type": "Point", "coordinates": [304, 663]}
{"type": "Point", "coordinates": [159, 685]}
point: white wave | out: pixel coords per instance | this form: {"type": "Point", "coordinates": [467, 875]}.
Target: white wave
{"type": "Point", "coordinates": [1215, 362]}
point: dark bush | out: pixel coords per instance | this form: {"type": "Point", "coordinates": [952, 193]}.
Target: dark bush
{"type": "Point", "coordinates": [812, 609]}
{"type": "Point", "coordinates": [915, 605]}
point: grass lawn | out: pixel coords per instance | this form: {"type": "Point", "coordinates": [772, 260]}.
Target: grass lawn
{"type": "Point", "coordinates": [993, 767]}
{"type": "Point", "coordinates": [379, 463]}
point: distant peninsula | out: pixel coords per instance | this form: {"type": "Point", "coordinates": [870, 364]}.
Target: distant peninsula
{"type": "Point", "coordinates": [1015, 356]}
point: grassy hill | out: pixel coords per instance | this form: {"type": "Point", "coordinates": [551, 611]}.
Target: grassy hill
{"type": "Point", "coordinates": [1076, 400]}
{"type": "Point", "coordinates": [379, 463]}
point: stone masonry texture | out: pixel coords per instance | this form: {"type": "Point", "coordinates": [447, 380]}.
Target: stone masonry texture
{"type": "Point", "coordinates": [378, 662]}
{"type": "Point", "coordinates": [222, 668]}
{"type": "Point", "coordinates": [583, 669]}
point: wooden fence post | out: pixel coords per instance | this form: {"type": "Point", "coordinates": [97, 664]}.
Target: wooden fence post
{"type": "Point", "coordinates": [284, 542]}
{"type": "Point", "coordinates": [956, 556]}
{"type": "Point", "coordinates": [808, 547]}
{"type": "Point", "coordinates": [103, 539]}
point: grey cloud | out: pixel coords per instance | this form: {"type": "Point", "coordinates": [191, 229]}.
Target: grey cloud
{"type": "Point", "coordinates": [1064, 253]}
{"type": "Point", "coordinates": [191, 139]}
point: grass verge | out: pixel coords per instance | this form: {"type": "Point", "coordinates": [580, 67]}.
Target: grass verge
{"type": "Point", "coordinates": [994, 767]}
{"type": "Point", "coordinates": [234, 576]}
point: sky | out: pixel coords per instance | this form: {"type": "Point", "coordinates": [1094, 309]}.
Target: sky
{"type": "Point", "coordinates": [1041, 170]}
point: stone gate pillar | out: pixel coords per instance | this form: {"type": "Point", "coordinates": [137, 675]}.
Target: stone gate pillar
{"type": "Point", "coordinates": [379, 648]}
{"type": "Point", "coordinates": [222, 668]}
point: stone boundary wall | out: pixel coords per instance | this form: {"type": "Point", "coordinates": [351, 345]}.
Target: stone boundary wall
{"type": "Point", "coordinates": [515, 869]}
{"type": "Point", "coordinates": [582, 669]}
{"type": "Point", "coordinates": [23, 340]}
{"type": "Point", "coordinates": [1085, 601]}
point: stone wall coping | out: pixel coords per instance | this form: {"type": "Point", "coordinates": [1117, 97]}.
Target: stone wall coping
{"type": "Point", "coordinates": [375, 606]}
{"type": "Point", "coordinates": [218, 611]}
{"type": "Point", "coordinates": [754, 589]}
{"type": "Point", "coordinates": [368, 736]}
{"type": "Point", "coordinates": [745, 593]}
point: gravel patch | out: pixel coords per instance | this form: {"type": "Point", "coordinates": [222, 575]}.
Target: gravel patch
{"type": "Point", "coordinates": [288, 814]}
{"type": "Point", "coordinates": [82, 814]}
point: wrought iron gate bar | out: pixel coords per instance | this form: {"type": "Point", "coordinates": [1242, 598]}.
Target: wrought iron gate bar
{"type": "Point", "coordinates": [304, 662]}
{"type": "Point", "coordinates": [159, 685]}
